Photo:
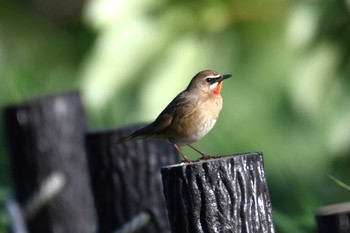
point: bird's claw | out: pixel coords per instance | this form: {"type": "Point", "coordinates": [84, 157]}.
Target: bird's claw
{"type": "Point", "coordinates": [206, 157]}
{"type": "Point", "coordinates": [203, 158]}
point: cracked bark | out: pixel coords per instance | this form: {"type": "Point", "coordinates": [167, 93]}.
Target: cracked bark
{"type": "Point", "coordinates": [46, 135]}
{"type": "Point", "coordinates": [228, 194]}
{"type": "Point", "coordinates": [126, 179]}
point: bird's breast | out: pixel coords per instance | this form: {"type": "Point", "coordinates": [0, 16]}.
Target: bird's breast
{"type": "Point", "coordinates": [191, 128]}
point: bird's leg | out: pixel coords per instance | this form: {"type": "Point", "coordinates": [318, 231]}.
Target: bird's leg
{"type": "Point", "coordinates": [204, 156]}
{"type": "Point", "coordinates": [182, 154]}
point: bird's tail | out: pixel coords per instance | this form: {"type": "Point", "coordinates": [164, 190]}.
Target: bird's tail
{"type": "Point", "coordinates": [125, 139]}
{"type": "Point", "coordinates": [141, 133]}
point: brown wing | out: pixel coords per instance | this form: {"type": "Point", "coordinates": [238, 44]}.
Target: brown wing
{"type": "Point", "coordinates": [182, 106]}
{"type": "Point", "coordinates": [179, 107]}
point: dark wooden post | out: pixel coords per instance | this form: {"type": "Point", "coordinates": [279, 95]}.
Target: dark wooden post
{"type": "Point", "coordinates": [334, 218]}
{"type": "Point", "coordinates": [46, 145]}
{"type": "Point", "coordinates": [126, 180]}
{"type": "Point", "coordinates": [228, 194]}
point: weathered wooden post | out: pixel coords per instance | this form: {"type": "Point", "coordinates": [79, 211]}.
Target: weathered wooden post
{"type": "Point", "coordinates": [227, 194]}
{"type": "Point", "coordinates": [126, 181]}
{"type": "Point", "coordinates": [46, 145]}
{"type": "Point", "coordinates": [334, 218]}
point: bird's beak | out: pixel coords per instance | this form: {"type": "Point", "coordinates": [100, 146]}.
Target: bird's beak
{"type": "Point", "coordinates": [224, 76]}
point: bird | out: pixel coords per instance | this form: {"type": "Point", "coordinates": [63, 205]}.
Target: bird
{"type": "Point", "coordinates": [189, 116]}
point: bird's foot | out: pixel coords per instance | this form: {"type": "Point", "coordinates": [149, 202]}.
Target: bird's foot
{"type": "Point", "coordinates": [207, 157]}
{"type": "Point", "coordinates": [203, 158]}
{"type": "Point", "coordinates": [186, 160]}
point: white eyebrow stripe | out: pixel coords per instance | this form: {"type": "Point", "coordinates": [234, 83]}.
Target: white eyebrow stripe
{"type": "Point", "coordinates": [212, 76]}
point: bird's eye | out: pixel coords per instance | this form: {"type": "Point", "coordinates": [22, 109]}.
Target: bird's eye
{"type": "Point", "coordinates": [209, 80]}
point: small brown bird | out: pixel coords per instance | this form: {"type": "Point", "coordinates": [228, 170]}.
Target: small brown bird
{"type": "Point", "coordinates": [190, 115]}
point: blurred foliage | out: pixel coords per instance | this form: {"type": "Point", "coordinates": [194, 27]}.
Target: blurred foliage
{"type": "Point", "coordinates": [289, 97]}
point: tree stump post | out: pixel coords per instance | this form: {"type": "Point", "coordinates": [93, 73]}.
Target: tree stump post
{"type": "Point", "coordinates": [48, 159]}
{"type": "Point", "coordinates": [227, 194]}
{"type": "Point", "coordinates": [334, 218]}
{"type": "Point", "coordinates": [126, 181]}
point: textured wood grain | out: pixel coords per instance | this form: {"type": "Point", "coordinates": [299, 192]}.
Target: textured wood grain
{"type": "Point", "coordinates": [228, 194]}
{"type": "Point", "coordinates": [46, 135]}
{"type": "Point", "coordinates": [126, 178]}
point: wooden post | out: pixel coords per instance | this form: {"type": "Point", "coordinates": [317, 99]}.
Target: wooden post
{"type": "Point", "coordinates": [334, 218]}
{"type": "Point", "coordinates": [126, 180]}
{"type": "Point", "coordinates": [228, 194]}
{"type": "Point", "coordinates": [46, 145]}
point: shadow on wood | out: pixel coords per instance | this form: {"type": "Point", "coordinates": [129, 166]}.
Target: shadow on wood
{"type": "Point", "coordinates": [126, 180]}
{"type": "Point", "coordinates": [46, 139]}
{"type": "Point", "coordinates": [334, 218]}
{"type": "Point", "coordinates": [227, 194]}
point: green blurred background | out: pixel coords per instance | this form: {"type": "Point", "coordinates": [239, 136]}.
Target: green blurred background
{"type": "Point", "coordinates": [290, 95]}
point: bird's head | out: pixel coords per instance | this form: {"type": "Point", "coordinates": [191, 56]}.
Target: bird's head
{"type": "Point", "coordinates": [208, 81]}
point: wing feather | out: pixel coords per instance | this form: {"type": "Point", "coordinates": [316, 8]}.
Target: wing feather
{"type": "Point", "coordinates": [179, 107]}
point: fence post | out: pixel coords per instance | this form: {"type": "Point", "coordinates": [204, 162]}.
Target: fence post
{"type": "Point", "coordinates": [227, 194]}
{"type": "Point", "coordinates": [126, 181]}
{"type": "Point", "coordinates": [334, 218]}
{"type": "Point", "coordinates": [46, 139]}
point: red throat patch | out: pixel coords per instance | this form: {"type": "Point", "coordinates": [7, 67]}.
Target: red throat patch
{"type": "Point", "coordinates": [218, 88]}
